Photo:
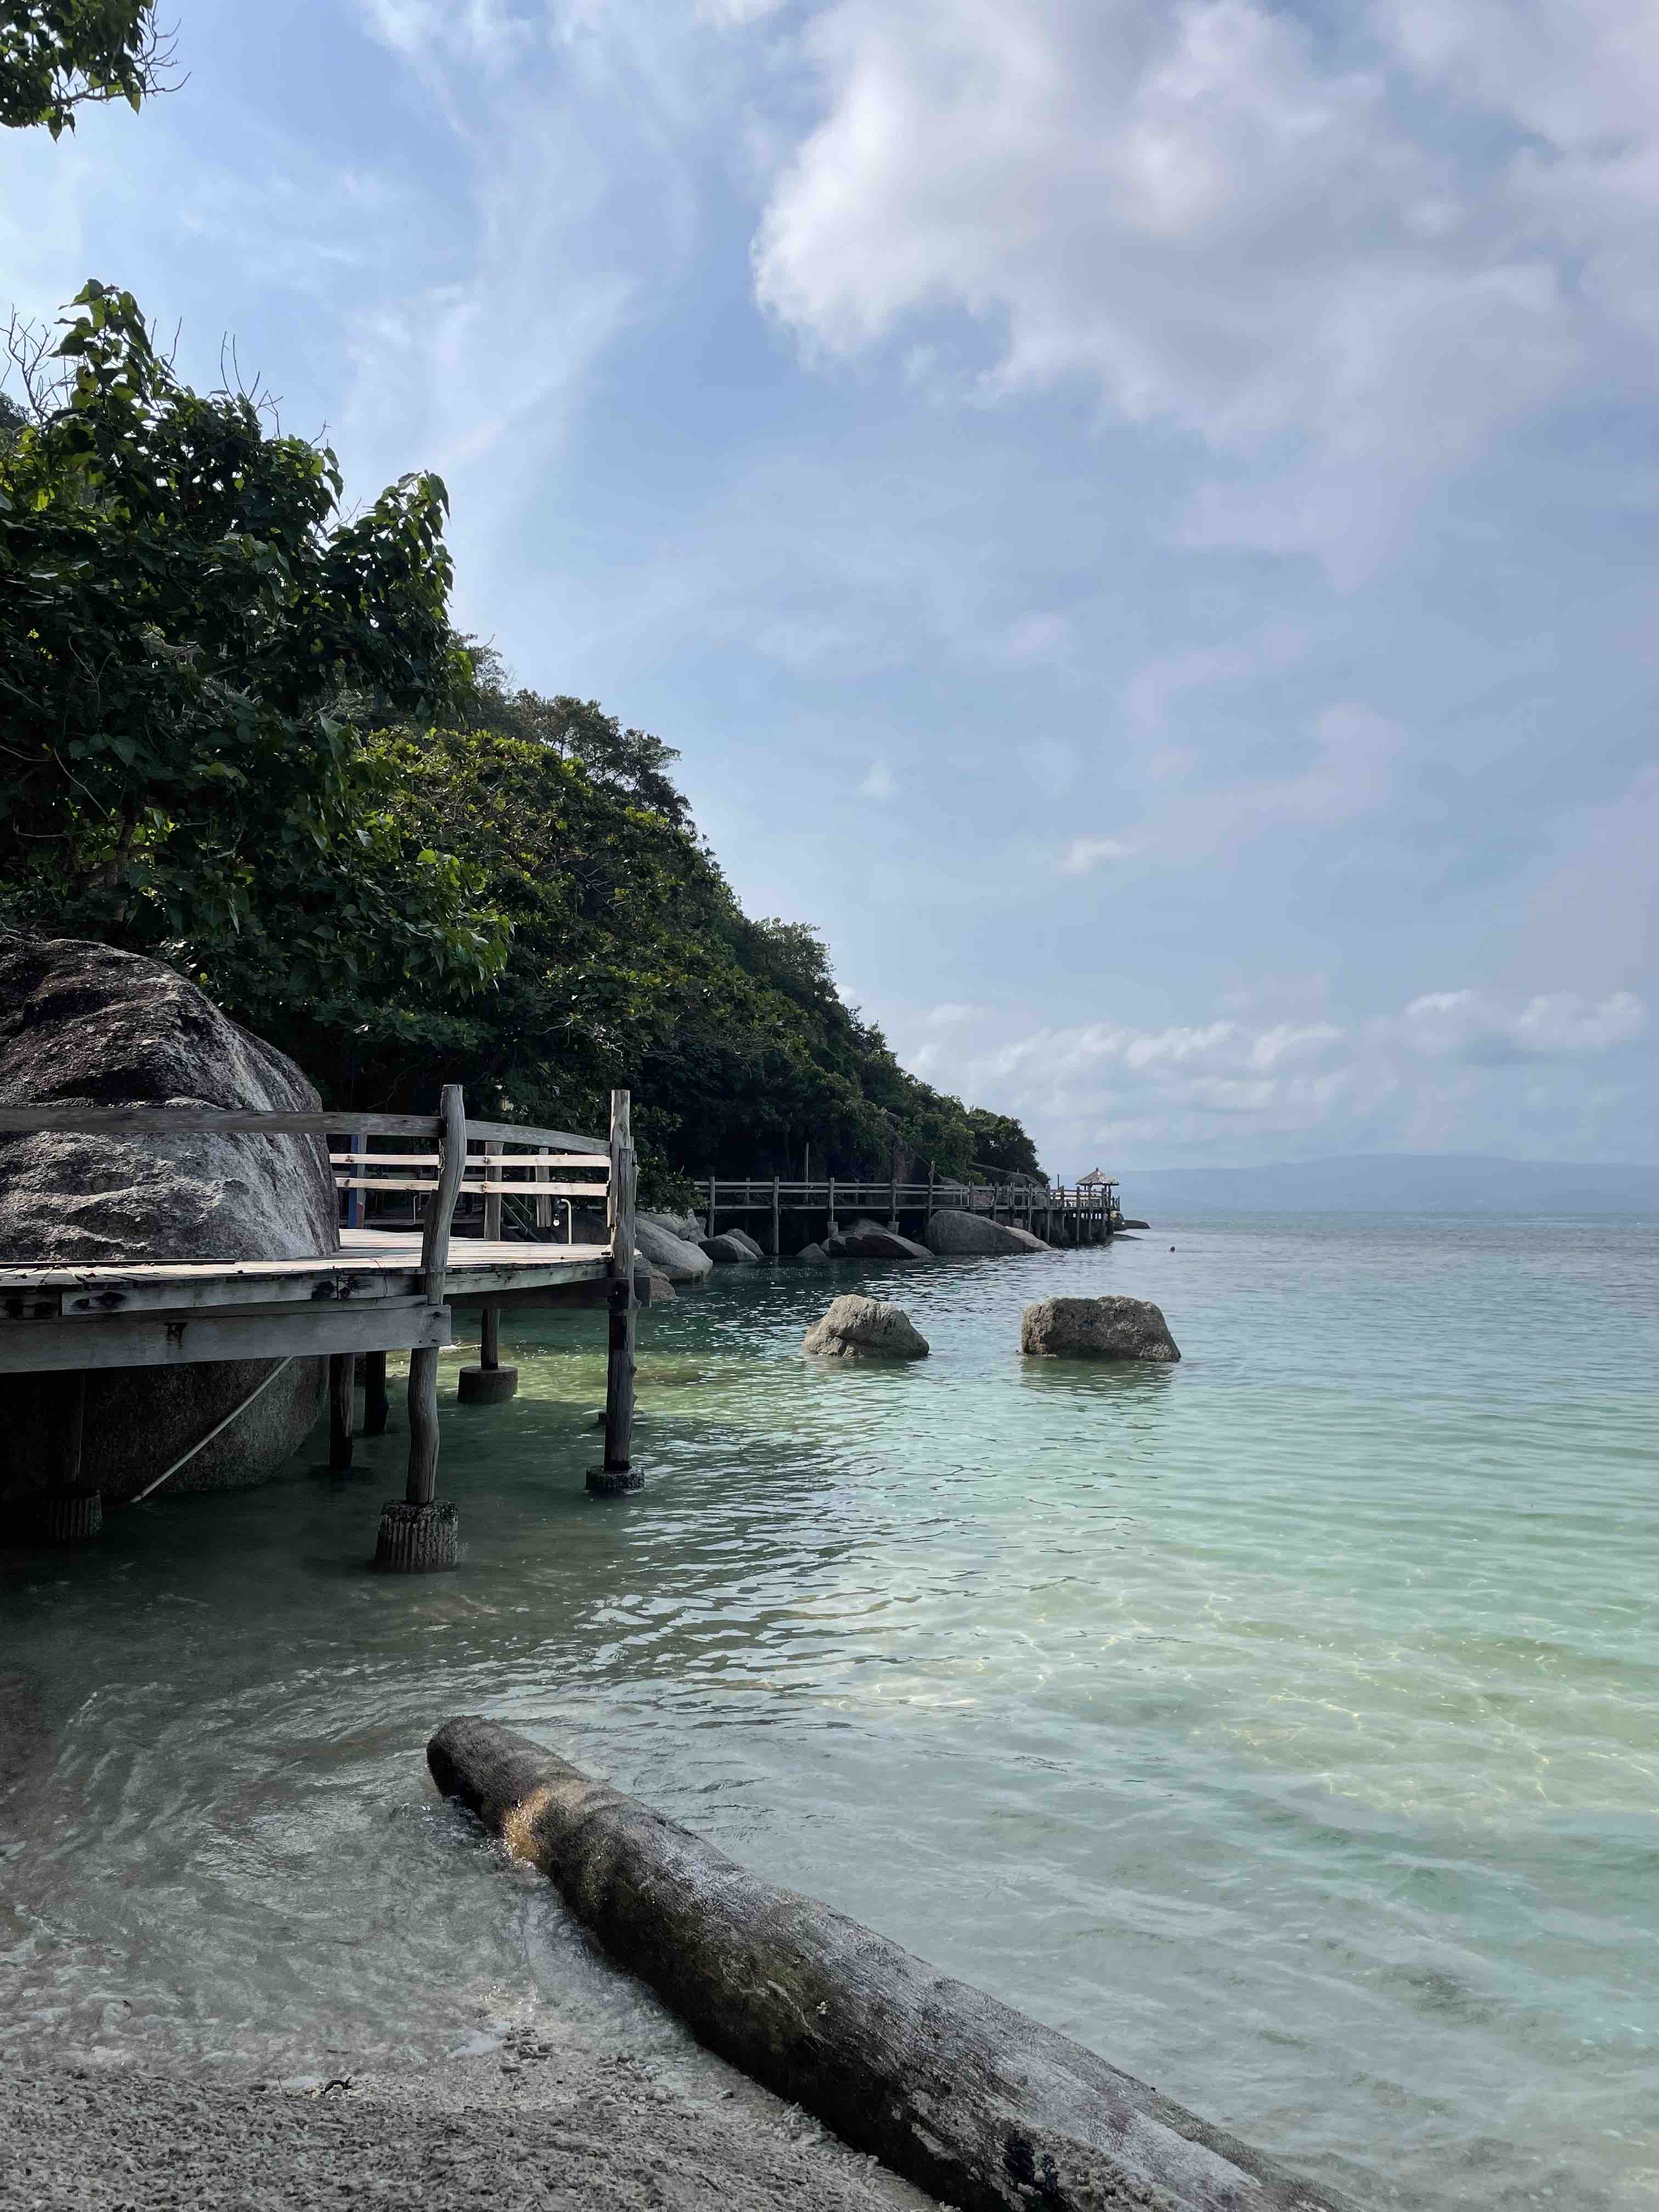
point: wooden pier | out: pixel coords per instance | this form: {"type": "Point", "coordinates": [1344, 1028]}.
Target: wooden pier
{"type": "Point", "coordinates": [1086, 1214]}
{"type": "Point", "coordinates": [381, 1290]}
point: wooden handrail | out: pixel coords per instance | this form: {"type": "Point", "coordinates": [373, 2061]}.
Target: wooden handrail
{"type": "Point", "coordinates": [206, 1120]}
{"type": "Point", "coordinates": [239, 1121]}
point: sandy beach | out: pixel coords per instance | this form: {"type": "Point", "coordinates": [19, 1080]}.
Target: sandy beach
{"type": "Point", "coordinates": [538, 2121]}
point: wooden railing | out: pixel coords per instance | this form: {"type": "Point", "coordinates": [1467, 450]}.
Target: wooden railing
{"type": "Point", "coordinates": [1017, 1200]}
{"type": "Point", "coordinates": [444, 1173]}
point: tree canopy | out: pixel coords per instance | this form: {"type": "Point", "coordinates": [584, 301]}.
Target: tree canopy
{"type": "Point", "coordinates": [239, 732]}
{"type": "Point", "coordinates": [194, 642]}
{"type": "Point", "coordinates": [60, 55]}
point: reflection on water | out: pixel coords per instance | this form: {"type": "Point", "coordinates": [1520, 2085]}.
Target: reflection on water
{"type": "Point", "coordinates": [1283, 1723]}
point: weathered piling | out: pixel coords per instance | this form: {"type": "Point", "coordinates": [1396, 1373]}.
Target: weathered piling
{"type": "Point", "coordinates": [618, 1475]}
{"type": "Point", "coordinates": [340, 1367]}
{"type": "Point", "coordinates": [968, 2098]}
{"type": "Point", "coordinates": [416, 1534]}
{"type": "Point", "coordinates": [376, 1405]}
{"type": "Point", "coordinates": [488, 1383]}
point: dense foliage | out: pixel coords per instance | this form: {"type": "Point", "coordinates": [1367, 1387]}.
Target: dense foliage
{"type": "Point", "coordinates": [194, 646]}
{"type": "Point", "coordinates": [236, 729]}
{"type": "Point", "coordinates": [630, 963]}
{"type": "Point", "coordinates": [60, 55]}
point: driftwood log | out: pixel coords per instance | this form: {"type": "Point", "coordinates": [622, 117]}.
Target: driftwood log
{"type": "Point", "coordinates": [968, 2098]}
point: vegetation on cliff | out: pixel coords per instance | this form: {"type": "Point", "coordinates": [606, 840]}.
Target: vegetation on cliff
{"type": "Point", "coordinates": [240, 733]}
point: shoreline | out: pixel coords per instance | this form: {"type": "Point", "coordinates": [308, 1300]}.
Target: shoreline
{"type": "Point", "coordinates": [543, 2119]}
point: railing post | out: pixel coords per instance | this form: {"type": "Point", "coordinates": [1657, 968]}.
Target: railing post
{"type": "Point", "coordinates": [711, 1206]}
{"type": "Point", "coordinates": [832, 1206]}
{"type": "Point", "coordinates": [777, 1222]}
{"type": "Point", "coordinates": [932, 1172]}
{"type": "Point", "coordinates": [354, 1198]}
{"type": "Point", "coordinates": [415, 1534]}
{"type": "Point", "coordinates": [617, 1476]}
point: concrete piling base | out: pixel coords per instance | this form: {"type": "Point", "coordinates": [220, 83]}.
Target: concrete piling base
{"type": "Point", "coordinates": [418, 1540]}
{"type": "Point", "coordinates": [487, 1386]}
{"type": "Point", "coordinates": [70, 1516]}
{"type": "Point", "coordinates": [614, 1482]}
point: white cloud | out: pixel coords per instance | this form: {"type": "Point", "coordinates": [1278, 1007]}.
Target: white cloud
{"type": "Point", "coordinates": [1083, 855]}
{"type": "Point", "coordinates": [1466, 1025]}
{"type": "Point", "coordinates": [1220, 221]}
{"type": "Point", "coordinates": [1450, 1066]}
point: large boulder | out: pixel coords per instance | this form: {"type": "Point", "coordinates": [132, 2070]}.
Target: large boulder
{"type": "Point", "coordinates": [811, 1255]}
{"type": "Point", "coordinates": [953, 1235]}
{"type": "Point", "coordinates": [686, 1226]}
{"type": "Point", "coordinates": [83, 1024]}
{"type": "Point", "coordinates": [731, 1248]}
{"type": "Point", "coordinates": [670, 1255]}
{"type": "Point", "coordinates": [868, 1240]}
{"type": "Point", "coordinates": [1095, 1329]}
{"type": "Point", "coordinates": [864, 1329]}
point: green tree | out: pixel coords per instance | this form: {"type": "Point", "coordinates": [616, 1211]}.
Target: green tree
{"type": "Point", "coordinates": [60, 55]}
{"type": "Point", "coordinates": [193, 644]}
{"type": "Point", "coordinates": [1000, 1144]}
{"type": "Point", "coordinates": [630, 963]}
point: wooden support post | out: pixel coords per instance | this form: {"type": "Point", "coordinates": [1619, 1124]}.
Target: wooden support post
{"type": "Point", "coordinates": [355, 1199]}
{"type": "Point", "coordinates": [932, 1172]}
{"type": "Point", "coordinates": [376, 1406]}
{"type": "Point", "coordinates": [711, 1206]}
{"type": "Point", "coordinates": [618, 1475]}
{"type": "Point", "coordinates": [777, 1223]}
{"type": "Point", "coordinates": [892, 1203]}
{"type": "Point", "coordinates": [488, 1383]}
{"type": "Point", "coordinates": [832, 1206]}
{"type": "Point", "coordinates": [417, 1535]}
{"type": "Point", "coordinates": [67, 1514]}
{"type": "Point", "coordinates": [340, 1366]}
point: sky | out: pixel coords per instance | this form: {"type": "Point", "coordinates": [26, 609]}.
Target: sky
{"type": "Point", "coordinates": [1139, 516]}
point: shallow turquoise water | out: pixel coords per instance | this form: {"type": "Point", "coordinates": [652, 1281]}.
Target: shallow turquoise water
{"type": "Point", "coordinates": [1285, 1723]}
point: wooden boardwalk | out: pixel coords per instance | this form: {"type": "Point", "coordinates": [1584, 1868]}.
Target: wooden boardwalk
{"type": "Point", "coordinates": [380, 1291]}
{"type": "Point", "coordinates": [1086, 1214]}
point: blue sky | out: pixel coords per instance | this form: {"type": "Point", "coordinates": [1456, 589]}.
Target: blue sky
{"type": "Point", "coordinates": [1141, 518]}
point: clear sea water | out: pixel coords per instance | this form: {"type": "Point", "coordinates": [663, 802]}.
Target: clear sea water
{"type": "Point", "coordinates": [1285, 1723]}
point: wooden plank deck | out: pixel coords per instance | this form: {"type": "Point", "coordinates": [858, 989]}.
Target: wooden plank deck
{"type": "Point", "coordinates": [382, 1291]}
{"type": "Point", "coordinates": [369, 1297]}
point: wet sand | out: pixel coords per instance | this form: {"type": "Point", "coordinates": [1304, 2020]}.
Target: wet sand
{"type": "Point", "coordinates": [537, 2122]}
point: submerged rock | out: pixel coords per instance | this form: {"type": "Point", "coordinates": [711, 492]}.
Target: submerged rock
{"type": "Point", "coordinates": [868, 1240]}
{"type": "Point", "coordinates": [864, 1329]}
{"type": "Point", "coordinates": [1095, 1329]}
{"type": "Point", "coordinates": [953, 1235]}
{"type": "Point", "coordinates": [670, 1255]}
{"type": "Point", "coordinates": [83, 1024]}
{"type": "Point", "coordinates": [812, 1255]}
{"type": "Point", "coordinates": [731, 1248]}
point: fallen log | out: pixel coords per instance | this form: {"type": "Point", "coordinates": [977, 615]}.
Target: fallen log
{"type": "Point", "coordinates": [972, 2101]}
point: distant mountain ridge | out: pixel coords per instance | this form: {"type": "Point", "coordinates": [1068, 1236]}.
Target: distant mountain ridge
{"type": "Point", "coordinates": [1396, 1182]}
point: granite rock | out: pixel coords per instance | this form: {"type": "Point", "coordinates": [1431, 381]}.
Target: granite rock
{"type": "Point", "coordinates": [864, 1329]}
{"type": "Point", "coordinates": [83, 1024]}
{"type": "Point", "coordinates": [1095, 1329]}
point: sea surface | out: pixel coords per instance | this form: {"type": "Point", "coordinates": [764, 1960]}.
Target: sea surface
{"type": "Point", "coordinates": [1285, 1723]}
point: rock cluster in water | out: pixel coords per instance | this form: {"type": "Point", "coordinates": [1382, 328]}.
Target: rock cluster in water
{"type": "Point", "coordinates": [670, 1255]}
{"type": "Point", "coordinates": [733, 1248]}
{"type": "Point", "coordinates": [953, 1234]}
